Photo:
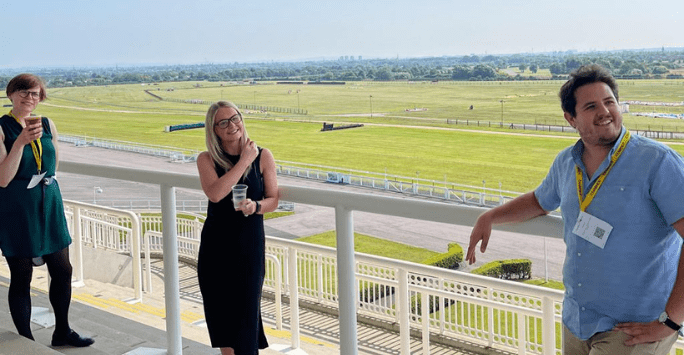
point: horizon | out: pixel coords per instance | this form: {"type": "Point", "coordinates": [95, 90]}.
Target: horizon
{"type": "Point", "coordinates": [330, 59]}
{"type": "Point", "coordinates": [73, 33]}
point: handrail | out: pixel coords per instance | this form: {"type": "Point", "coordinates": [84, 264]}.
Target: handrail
{"type": "Point", "coordinates": [75, 209]}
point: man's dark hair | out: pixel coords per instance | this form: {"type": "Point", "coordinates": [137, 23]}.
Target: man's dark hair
{"type": "Point", "coordinates": [586, 74]}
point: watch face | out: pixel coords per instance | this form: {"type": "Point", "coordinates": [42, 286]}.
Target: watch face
{"type": "Point", "coordinates": [663, 317]}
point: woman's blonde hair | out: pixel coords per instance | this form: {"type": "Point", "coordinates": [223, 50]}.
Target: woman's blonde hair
{"type": "Point", "coordinates": [214, 142]}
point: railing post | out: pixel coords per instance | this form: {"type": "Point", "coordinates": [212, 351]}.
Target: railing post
{"type": "Point", "coordinates": [294, 296]}
{"type": "Point", "coordinates": [522, 334]}
{"type": "Point", "coordinates": [403, 310]}
{"type": "Point", "coordinates": [148, 263]}
{"type": "Point", "coordinates": [319, 276]}
{"type": "Point", "coordinates": [78, 249]}
{"type": "Point", "coordinates": [548, 326]}
{"type": "Point", "coordinates": [171, 278]}
{"type": "Point", "coordinates": [277, 270]}
{"type": "Point", "coordinates": [425, 315]}
{"type": "Point", "coordinates": [441, 307]}
{"type": "Point", "coordinates": [490, 317]}
{"type": "Point", "coordinates": [136, 255]}
{"type": "Point", "coordinates": [346, 276]}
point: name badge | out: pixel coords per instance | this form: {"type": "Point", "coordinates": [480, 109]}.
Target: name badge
{"type": "Point", "coordinates": [35, 180]}
{"type": "Point", "coordinates": [592, 229]}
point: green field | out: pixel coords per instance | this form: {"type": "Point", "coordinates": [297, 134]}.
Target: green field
{"type": "Point", "coordinates": [413, 144]}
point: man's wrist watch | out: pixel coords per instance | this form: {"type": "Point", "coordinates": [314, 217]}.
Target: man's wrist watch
{"type": "Point", "coordinates": [258, 207]}
{"type": "Point", "coordinates": [665, 319]}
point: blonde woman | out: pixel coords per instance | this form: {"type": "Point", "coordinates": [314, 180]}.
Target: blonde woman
{"type": "Point", "coordinates": [230, 264]}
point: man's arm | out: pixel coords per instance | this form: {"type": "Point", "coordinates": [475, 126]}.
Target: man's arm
{"type": "Point", "coordinates": [655, 331]}
{"type": "Point", "coordinates": [520, 209]}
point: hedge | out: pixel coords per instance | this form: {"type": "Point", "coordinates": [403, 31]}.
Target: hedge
{"type": "Point", "coordinates": [449, 260]}
{"type": "Point", "coordinates": [513, 269]}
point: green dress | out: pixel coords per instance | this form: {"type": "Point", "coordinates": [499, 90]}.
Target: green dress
{"type": "Point", "coordinates": [32, 221]}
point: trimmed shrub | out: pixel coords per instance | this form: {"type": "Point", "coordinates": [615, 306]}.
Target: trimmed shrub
{"type": "Point", "coordinates": [369, 292]}
{"type": "Point", "coordinates": [449, 260]}
{"type": "Point", "coordinates": [513, 269]}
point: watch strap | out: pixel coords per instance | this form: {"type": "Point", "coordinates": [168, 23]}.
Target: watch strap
{"type": "Point", "coordinates": [670, 323]}
{"type": "Point", "coordinates": [258, 207]}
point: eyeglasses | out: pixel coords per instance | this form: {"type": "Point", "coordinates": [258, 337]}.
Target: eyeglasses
{"type": "Point", "coordinates": [25, 93]}
{"type": "Point", "coordinates": [224, 123]}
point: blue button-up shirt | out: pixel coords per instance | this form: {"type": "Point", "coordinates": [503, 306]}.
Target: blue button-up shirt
{"type": "Point", "coordinates": [631, 279]}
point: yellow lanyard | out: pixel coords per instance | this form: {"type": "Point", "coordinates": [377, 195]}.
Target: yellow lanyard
{"type": "Point", "coordinates": [36, 147]}
{"type": "Point", "coordinates": [584, 203]}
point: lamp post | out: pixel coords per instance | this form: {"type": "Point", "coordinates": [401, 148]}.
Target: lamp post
{"type": "Point", "coordinates": [96, 190]}
{"type": "Point", "coordinates": [371, 104]}
{"type": "Point", "coordinates": [502, 102]}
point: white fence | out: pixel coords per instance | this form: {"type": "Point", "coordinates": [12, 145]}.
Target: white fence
{"type": "Point", "coordinates": [108, 229]}
{"type": "Point", "coordinates": [176, 154]}
{"type": "Point", "coordinates": [458, 193]}
{"type": "Point", "coordinates": [443, 190]}
{"type": "Point", "coordinates": [486, 311]}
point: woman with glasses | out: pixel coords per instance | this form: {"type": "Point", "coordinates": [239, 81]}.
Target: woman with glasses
{"type": "Point", "coordinates": [230, 265]}
{"type": "Point", "coordinates": [33, 229]}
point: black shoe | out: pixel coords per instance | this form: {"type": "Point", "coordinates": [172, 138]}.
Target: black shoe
{"type": "Point", "coordinates": [72, 339]}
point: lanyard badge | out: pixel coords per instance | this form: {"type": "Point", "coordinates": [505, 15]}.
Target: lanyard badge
{"type": "Point", "coordinates": [588, 227]}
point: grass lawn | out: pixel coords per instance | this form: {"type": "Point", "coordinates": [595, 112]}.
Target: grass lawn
{"type": "Point", "coordinates": [411, 144]}
{"type": "Point", "coordinates": [374, 246]}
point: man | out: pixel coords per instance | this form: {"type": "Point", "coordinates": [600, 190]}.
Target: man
{"type": "Point", "coordinates": [623, 276]}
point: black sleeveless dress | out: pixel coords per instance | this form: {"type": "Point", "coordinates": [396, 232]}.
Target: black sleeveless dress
{"type": "Point", "coordinates": [230, 269]}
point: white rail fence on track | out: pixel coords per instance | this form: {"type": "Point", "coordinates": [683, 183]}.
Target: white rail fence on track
{"type": "Point", "coordinates": [434, 302]}
{"type": "Point", "coordinates": [449, 191]}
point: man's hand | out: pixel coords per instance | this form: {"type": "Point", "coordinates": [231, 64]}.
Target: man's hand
{"type": "Point", "coordinates": [644, 332]}
{"type": "Point", "coordinates": [481, 232]}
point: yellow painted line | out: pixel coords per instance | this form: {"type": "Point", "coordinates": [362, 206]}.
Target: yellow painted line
{"type": "Point", "coordinates": [191, 317]}
{"type": "Point", "coordinates": [160, 312]}
{"type": "Point", "coordinates": [284, 334]}
{"type": "Point", "coordinates": [106, 303]}
{"type": "Point", "coordinates": [90, 300]}
{"type": "Point", "coordinates": [187, 316]}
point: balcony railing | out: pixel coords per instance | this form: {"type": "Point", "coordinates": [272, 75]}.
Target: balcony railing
{"type": "Point", "coordinates": [505, 315]}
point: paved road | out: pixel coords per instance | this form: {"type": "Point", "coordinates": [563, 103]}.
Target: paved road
{"type": "Point", "coordinates": [308, 219]}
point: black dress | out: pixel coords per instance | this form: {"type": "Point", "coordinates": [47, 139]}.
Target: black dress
{"type": "Point", "coordinates": [230, 269]}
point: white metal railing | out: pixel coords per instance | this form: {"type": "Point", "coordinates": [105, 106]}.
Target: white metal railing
{"type": "Point", "coordinates": [105, 228]}
{"type": "Point", "coordinates": [458, 193]}
{"type": "Point", "coordinates": [175, 153]}
{"type": "Point", "coordinates": [488, 311]}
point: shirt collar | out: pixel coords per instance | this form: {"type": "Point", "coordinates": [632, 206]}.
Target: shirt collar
{"type": "Point", "coordinates": [578, 149]}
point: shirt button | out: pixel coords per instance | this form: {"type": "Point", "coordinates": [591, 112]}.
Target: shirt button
{"type": "Point", "coordinates": [622, 189]}
{"type": "Point", "coordinates": [584, 309]}
{"type": "Point", "coordinates": [579, 284]}
{"type": "Point", "coordinates": [579, 254]}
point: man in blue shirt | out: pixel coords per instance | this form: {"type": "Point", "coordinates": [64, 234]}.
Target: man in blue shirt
{"type": "Point", "coordinates": [623, 275]}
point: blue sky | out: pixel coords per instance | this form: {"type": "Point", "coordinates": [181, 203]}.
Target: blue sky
{"type": "Point", "coordinates": [134, 32]}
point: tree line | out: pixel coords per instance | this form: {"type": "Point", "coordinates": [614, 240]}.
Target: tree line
{"type": "Point", "coordinates": [631, 64]}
